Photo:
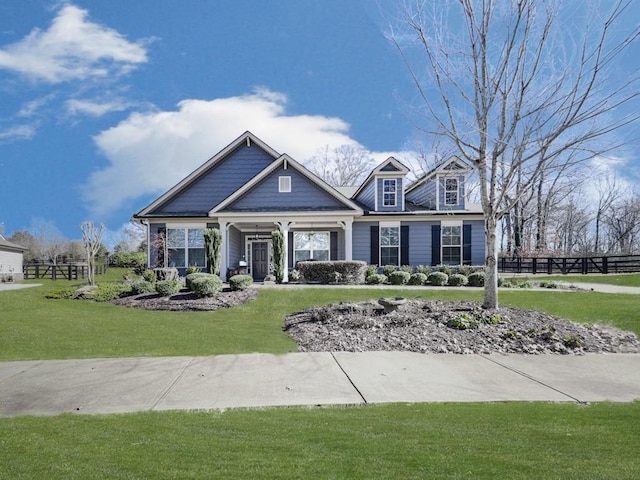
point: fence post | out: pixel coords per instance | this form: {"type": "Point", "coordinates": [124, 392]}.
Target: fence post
{"type": "Point", "coordinates": [605, 265]}
{"type": "Point", "coordinates": [585, 267]}
{"type": "Point", "coordinates": [534, 265]}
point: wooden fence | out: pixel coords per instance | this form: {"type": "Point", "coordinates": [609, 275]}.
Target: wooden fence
{"type": "Point", "coordinates": [568, 265]}
{"type": "Point", "coordinates": [61, 271]}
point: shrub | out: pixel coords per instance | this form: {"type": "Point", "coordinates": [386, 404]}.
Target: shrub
{"type": "Point", "coordinates": [128, 259]}
{"type": "Point", "coordinates": [192, 269]}
{"type": "Point", "coordinates": [61, 293]}
{"type": "Point", "coordinates": [376, 279]}
{"type": "Point", "coordinates": [388, 269]}
{"type": "Point", "coordinates": [168, 287]}
{"type": "Point", "coordinates": [464, 270]}
{"type": "Point", "coordinates": [458, 280]}
{"type": "Point", "coordinates": [444, 269]}
{"type": "Point", "coordinates": [424, 269]}
{"type": "Point", "coordinates": [206, 285]}
{"type": "Point", "coordinates": [476, 279]}
{"type": "Point", "coordinates": [144, 286]}
{"type": "Point", "coordinates": [270, 278]}
{"type": "Point", "coordinates": [438, 278]}
{"type": "Point", "coordinates": [105, 292]}
{"type": "Point", "coordinates": [418, 279]}
{"type": "Point", "coordinates": [406, 268]}
{"type": "Point", "coordinates": [149, 275]}
{"type": "Point", "coordinates": [399, 277]}
{"type": "Point", "coordinates": [371, 270]}
{"type": "Point", "coordinates": [350, 271]}
{"type": "Point", "coordinates": [240, 282]}
{"type": "Point", "coordinates": [294, 276]}
{"type": "Point", "coordinates": [188, 280]}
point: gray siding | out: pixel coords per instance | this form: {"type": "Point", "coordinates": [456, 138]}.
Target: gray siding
{"type": "Point", "coordinates": [304, 195]}
{"type": "Point", "coordinates": [219, 182]}
{"type": "Point", "coordinates": [477, 241]}
{"type": "Point", "coordinates": [236, 247]}
{"type": "Point", "coordinates": [399, 195]}
{"type": "Point", "coordinates": [366, 197]}
{"type": "Point", "coordinates": [419, 242]}
{"type": "Point", "coordinates": [361, 241]}
{"type": "Point", "coordinates": [424, 195]}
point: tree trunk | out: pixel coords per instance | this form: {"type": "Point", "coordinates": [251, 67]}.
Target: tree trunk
{"type": "Point", "coordinates": [491, 265]}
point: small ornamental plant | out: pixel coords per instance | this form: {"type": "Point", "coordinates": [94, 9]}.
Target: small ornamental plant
{"type": "Point", "coordinates": [399, 277]}
{"type": "Point", "coordinates": [418, 279]}
{"type": "Point", "coordinates": [438, 278]}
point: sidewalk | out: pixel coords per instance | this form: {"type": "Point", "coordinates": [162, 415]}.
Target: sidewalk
{"type": "Point", "coordinates": [101, 386]}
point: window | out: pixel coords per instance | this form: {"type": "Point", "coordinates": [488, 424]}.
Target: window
{"type": "Point", "coordinates": [451, 191]}
{"type": "Point", "coordinates": [310, 246]}
{"type": "Point", "coordinates": [389, 192]}
{"type": "Point", "coordinates": [389, 245]}
{"type": "Point", "coordinates": [284, 184]}
{"type": "Point", "coordinates": [185, 247]}
{"type": "Point", "coordinates": [452, 244]}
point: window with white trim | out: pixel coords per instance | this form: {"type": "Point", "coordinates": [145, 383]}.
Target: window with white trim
{"type": "Point", "coordinates": [452, 244]}
{"type": "Point", "coordinates": [389, 192]}
{"type": "Point", "coordinates": [284, 184]}
{"type": "Point", "coordinates": [185, 247]}
{"type": "Point", "coordinates": [311, 246]}
{"type": "Point", "coordinates": [390, 245]}
{"type": "Point", "coordinates": [451, 191]}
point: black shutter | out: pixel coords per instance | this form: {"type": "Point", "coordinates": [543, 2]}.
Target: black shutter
{"type": "Point", "coordinates": [404, 245]}
{"type": "Point", "coordinates": [333, 246]}
{"type": "Point", "coordinates": [290, 250]}
{"type": "Point", "coordinates": [435, 244]}
{"type": "Point", "coordinates": [466, 244]}
{"type": "Point", "coordinates": [375, 247]}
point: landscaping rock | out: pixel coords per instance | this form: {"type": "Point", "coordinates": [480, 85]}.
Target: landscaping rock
{"type": "Point", "coordinates": [189, 301]}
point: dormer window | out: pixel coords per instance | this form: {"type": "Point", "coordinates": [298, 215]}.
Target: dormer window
{"type": "Point", "coordinates": [389, 192]}
{"type": "Point", "coordinates": [451, 191]}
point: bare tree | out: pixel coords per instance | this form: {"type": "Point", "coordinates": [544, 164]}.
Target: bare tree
{"type": "Point", "coordinates": [92, 239]}
{"type": "Point", "coordinates": [515, 90]}
{"type": "Point", "coordinates": [342, 166]}
{"type": "Point", "coordinates": [49, 243]}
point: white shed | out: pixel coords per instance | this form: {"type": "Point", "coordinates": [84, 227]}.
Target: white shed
{"type": "Point", "coordinates": [11, 258]}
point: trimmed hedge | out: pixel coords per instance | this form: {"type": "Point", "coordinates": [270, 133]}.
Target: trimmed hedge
{"type": "Point", "coordinates": [168, 287]}
{"type": "Point", "coordinates": [338, 271]}
{"type": "Point", "coordinates": [418, 279]}
{"type": "Point", "coordinates": [438, 278]}
{"type": "Point", "coordinates": [240, 282]}
{"type": "Point", "coordinates": [128, 259]}
{"type": "Point", "coordinates": [399, 277]}
{"type": "Point", "coordinates": [206, 285]}
{"type": "Point", "coordinates": [476, 279]}
{"type": "Point", "coordinates": [142, 287]}
{"type": "Point", "coordinates": [376, 279]}
{"type": "Point", "coordinates": [458, 280]}
{"type": "Point", "coordinates": [192, 276]}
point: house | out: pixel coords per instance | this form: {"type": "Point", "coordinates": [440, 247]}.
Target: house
{"type": "Point", "coordinates": [248, 189]}
{"type": "Point", "coordinates": [11, 260]}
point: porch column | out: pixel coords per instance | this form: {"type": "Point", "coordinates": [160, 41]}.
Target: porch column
{"type": "Point", "coordinates": [348, 239]}
{"type": "Point", "coordinates": [284, 228]}
{"type": "Point", "coordinates": [224, 231]}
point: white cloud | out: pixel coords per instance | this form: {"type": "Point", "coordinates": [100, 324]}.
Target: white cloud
{"type": "Point", "coordinates": [95, 109]}
{"type": "Point", "coordinates": [148, 153]}
{"type": "Point", "coordinates": [72, 48]}
{"type": "Point", "coordinates": [18, 132]}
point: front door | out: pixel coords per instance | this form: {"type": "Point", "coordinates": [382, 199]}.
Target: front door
{"type": "Point", "coordinates": [259, 260]}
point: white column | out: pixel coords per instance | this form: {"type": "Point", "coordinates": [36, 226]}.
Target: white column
{"type": "Point", "coordinates": [284, 228]}
{"type": "Point", "coordinates": [348, 239]}
{"type": "Point", "coordinates": [225, 250]}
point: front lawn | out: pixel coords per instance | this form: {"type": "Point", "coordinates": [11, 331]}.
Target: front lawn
{"type": "Point", "coordinates": [423, 441]}
{"type": "Point", "coordinates": [33, 327]}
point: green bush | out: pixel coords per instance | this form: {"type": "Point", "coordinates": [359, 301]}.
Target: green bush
{"type": "Point", "coordinates": [463, 270]}
{"type": "Point", "coordinates": [406, 268]}
{"type": "Point", "coordinates": [240, 282]}
{"type": "Point", "coordinates": [192, 269]}
{"type": "Point", "coordinates": [371, 270]}
{"type": "Point", "coordinates": [350, 271]}
{"type": "Point", "coordinates": [444, 269]}
{"type": "Point", "coordinates": [128, 260]}
{"type": "Point", "coordinates": [424, 269]}
{"type": "Point", "coordinates": [389, 269]}
{"type": "Point", "coordinates": [206, 285]}
{"type": "Point", "coordinates": [476, 279]}
{"type": "Point", "coordinates": [188, 280]}
{"type": "Point", "coordinates": [61, 293]}
{"type": "Point", "coordinates": [399, 277]}
{"type": "Point", "coordinates": [105, 292]}
{"type": "Point", "coordinates": [458, 280]}
{"type": "Point", "coordinates": [418, 279]}
{"type": "Point", "coordinates": [149, 275]}
{"type": "Point", "coordinates": [294, 276]}
{"type": "Point", "coordinates": [438, 278]}
{"type": "Point", "coordinates": [376, 279]}
{"type": "Point", "coordinates": [168, 287]}
{"type": "Point", "coordinates": [144, 286]}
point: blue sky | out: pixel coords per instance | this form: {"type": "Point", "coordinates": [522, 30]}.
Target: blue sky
{"type": "Point", "coordinates": [105, 105]}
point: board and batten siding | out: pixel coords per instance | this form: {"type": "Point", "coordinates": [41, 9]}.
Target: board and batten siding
{"type": "Point", "coordinates": [10, 262]}
{"type": "Point", "coordinates": [219, 182]}
{"type": "Point", "coordinates": [304, 195]}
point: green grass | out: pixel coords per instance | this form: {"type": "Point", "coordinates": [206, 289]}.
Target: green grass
{"type": "Point", "coordinates": [626, 280]}
{"type": "Point", "coordinates": [33, 327]}
{"type": "Point", "coordinates": [434, 441]}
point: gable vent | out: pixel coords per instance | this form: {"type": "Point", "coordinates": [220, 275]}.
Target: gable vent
{"type": "Point", "coordinates": [284, 184]}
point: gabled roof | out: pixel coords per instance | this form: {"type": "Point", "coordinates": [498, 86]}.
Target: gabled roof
{"type": "Point", "coordinates": [7, 245]}
{"type": "Point", "coordinates": [390, 167]}
{"type": "Point", "coordinates": [451, 165]}
{"type": "Point", "coordinates": [287, 162]}
{"type": "Point", "coordinates": [246, 138]}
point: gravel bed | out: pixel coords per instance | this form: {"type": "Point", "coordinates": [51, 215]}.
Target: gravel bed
{"type": "Point", "coordinates": [426, 326]}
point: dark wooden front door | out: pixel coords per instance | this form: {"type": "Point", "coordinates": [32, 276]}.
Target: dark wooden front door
{"type": "Point", "coordinates": [259, 260]}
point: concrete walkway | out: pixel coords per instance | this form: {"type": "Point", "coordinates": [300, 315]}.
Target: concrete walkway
{"type": "Point", "coordinates": [97, 386]}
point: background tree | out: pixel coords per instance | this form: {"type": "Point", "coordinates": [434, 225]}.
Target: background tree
{"type": "Point", "coordinates": [342, 166]}
{"type": "Point", "coordinates": [518, 91]}
{"type": "Point", "coordinates": [92, 239]}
